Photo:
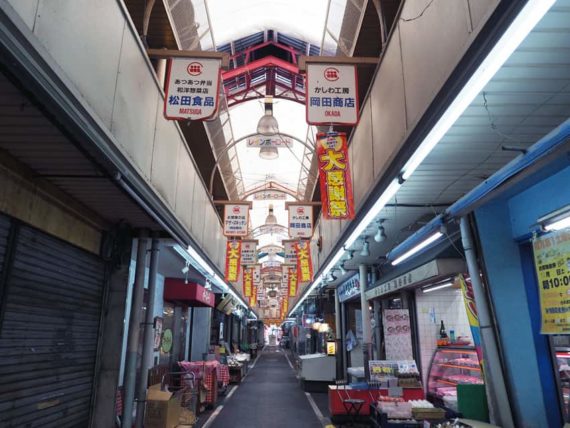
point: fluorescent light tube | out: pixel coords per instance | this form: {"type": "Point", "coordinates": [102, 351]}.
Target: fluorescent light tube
{"type": "Point", "coordinates": [521, 26]}
{"type": "Point", "coordinates": [388, 194]}
{"type": "Point", "coordinates": [437, 287]}
{"type": "Point", "coordinates": [563, 223]}
{"type": "Point", "coordinates": [417, 248]}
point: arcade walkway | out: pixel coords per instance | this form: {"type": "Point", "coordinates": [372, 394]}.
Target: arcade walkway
{"type": "Point", "coordinates": [269, 396]}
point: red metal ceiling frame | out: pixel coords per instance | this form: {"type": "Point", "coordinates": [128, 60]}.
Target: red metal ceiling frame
{"type": "Point", "coordinates": [272, 67]}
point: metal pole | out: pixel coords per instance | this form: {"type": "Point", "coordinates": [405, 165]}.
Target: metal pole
{"type": "Point", "coordinates": [366, 324]}
{"type": "Point", "coordinates": [338, 336]}
{"type": "Point", "coordinates": [376, 317]}
{"type": "Point", "coordinates": [176, 327]}
{"type": "Point", "coordinates": [343, 338]}
{"type": "Point", "coordinates": [148, 340]}
{"type": "Point", "coordinates": [500, 408]}
{"type": "Point", "coordinates": [134, 331]}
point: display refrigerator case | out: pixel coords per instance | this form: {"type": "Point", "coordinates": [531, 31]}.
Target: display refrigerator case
{"type": "Point", "coordinates": [451, 366]}
{"type": "Point", "coordinates": [563, 362]}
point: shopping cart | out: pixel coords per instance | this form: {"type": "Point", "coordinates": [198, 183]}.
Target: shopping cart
{"type": "Point", "coordinates": [184, 385]}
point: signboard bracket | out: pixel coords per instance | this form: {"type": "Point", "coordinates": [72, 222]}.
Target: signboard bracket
{"type": "Point", "coordinates": [174, 53]}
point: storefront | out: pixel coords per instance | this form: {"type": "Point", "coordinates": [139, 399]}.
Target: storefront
{"type": "Point", "coordinates": [351, 321]}
{"type": "Point", "coordinates": [423, 318]}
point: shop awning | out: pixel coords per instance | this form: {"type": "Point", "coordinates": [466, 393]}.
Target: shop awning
{"type": "Point", "coordinates": [191, 294]}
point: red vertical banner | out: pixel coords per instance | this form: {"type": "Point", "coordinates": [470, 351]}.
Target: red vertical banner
{"type": "Point", "coordinates": [233, 260]}
{"type": "Point", "coordinates": [304, 263]}
{"type": "Point", "coordinates": [247, 281]}
{"type": "Point", "coordinates": [284, 307]}
{"type": "Point", "coordinates": [334, 176]}
{"type": "Point", "coordinates": [292, 282]}
{"type": "Point", "coordinates": [253, 298]}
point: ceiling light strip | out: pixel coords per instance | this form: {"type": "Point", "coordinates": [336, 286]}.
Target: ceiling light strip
{"type": "Point", "coordinates": [521, 26]}
{"type": "Point", "coordinates": [429, 240]}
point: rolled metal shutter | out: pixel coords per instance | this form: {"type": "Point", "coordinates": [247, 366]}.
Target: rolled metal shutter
{"type": "Point", "coordinates": [48, 337]}
{"type": "Point", "coordinates": [4, 231]}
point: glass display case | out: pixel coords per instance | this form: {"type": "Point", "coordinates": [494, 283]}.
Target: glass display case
{"type": "Point", "coordinates": [451, 366]}
{"type": "Point", "coordinates": [563, 362]}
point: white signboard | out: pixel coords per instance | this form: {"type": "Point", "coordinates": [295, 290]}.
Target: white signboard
{"type": "Point", "coordinates": [236, 219]}
{"type": "Point", "coordinates": [332, 94]}
{"type": "Point", "coordinates": [269, 195]}
{"type": "Point", "coordinates": [290, 253]}
{"type": "Point", "coordinates": [285, 276]}
{"type": "Point", "coordinates": [262, 141]}
{"type": "Point", "coordinates": [300, 221]}
{"type": "Point", "coordinates": [192, 88]}
{"type": "Point", "coordinates": [248, 252]}
{"type": "Point", "coordinates": [257, 274]}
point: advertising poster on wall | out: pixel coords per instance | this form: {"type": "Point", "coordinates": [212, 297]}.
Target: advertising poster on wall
{"type": "Point", "coordinates": [397, 334]}
{"type": "Point", "coordinates": [552, 262]}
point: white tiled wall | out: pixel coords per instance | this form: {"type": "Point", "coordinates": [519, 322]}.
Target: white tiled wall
{"type": "Point", "coordinates": [447, 305]}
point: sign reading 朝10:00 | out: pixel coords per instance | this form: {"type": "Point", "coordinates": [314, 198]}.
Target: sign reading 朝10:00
{"type": "Point", "coordinates": [552, 262]}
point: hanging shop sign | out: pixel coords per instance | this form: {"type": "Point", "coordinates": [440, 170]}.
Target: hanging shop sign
{"type": "Point", "coordinates": [253, 297]}
{"type": "Point", "coordinates": [269, 195]}
{"type": "Point", "coordinates": [290, 252]}
{"type": "Point", "coordinates": [552, 261]}
{"type": "Point", "coordinates": [348, 289]}
{"type": "Point", "coordinates": [248, 252]}
{"type": "Point", "coordinates": [304, 263]}
{"type": "Point", "coordinates": [233, 256]}
{"type": "Point", "coordinates": [284, 276]}
{"type": "Point", "coordinates": [331, 348]}
{"type": "Point", "coordinates": [247, 281]}
{"type": "Point", "coordinates": [262, 141]}
{"type": "Point", "coordinates": [192, 88]}
{"type": "Point", "coordinates": [472, 316]}
{"type": "Point", "coordinates": [292, 281]}
{"type": "Point", "coordinates": [300, 221]}
{"type": "Point", "coordinates": [257, 274]}
{"type": "Point", "coordinates": [284, 306]}
{"type": "Point", "coordinates": [236, 219]}
{"type": "Point", "coordinates": [331, 94]}
{"type": "Point", "coordinates": [334, 176]}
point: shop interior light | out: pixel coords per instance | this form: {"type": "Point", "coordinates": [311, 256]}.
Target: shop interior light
{"type": "Point", "coordinates": [365, 252]}
{"type": "Point", "coordinates": [316, 325]}
{"type": "Point", "coordinates": [559, 219]}
{"type": "Point", "coordinates": [521, 26]}
{"type": "Point", "coordinates": [432, 238]}
{"type": "Point", "coordinates": [437, 287]}
{"type": "Point", "coordinates": [380, 233]}
{"type": "Point", "coordinates": [323, 327]}
{"type": "Point", "coordinates": [378, 206]}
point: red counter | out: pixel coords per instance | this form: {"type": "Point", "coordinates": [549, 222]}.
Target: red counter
{"type": "Point", "coordinates": [336, 396]}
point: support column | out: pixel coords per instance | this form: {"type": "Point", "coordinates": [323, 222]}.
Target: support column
{"type": "Point", "coordinates": [176, 339]}
{"type": "Point", "coordinates": [498, 400]}
{"type": "Point", "coordinates": [338, 336]}
{"type": "Point", "coordinates": [134, 331]}
{"type": "Point", "coordinates": [343, 339]}
{"type": "Point", "coordinates": [366, 325]}
{"type": "Point", "coordinates": [377, 307]}
{"type": "Point", "coordinates": [148, 341]}
{"type": "Point", "coordinates": [111, 338]}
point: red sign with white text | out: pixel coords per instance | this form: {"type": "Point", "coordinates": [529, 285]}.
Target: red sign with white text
{"type": "Point", "coordinates": [233, 260]}
{"type": "Point", "coordinates": [334, 175]}
{"type": "Point", "coordinates": [247, 281]}
{"type": "Point", "coordinates": [304, 263]}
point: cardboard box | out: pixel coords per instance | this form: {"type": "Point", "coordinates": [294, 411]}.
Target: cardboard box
{"type": "Point", "coordinates": [162, 408]}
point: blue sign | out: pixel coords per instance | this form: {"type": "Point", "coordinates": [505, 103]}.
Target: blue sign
{"type": "Point", "coordinates": [349, 288]}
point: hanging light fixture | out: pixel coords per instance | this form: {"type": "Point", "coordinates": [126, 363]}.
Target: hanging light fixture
{"type": "Point", "coordinates": [342, 269]}
{"type": "Point", "coordinates": [271, 219]}
{"type": "Point", "coordinates": [268, 127]}
{"type": "Point", "coordinates": [365, 252]}
{"type": "Point", "coordinates": [380, 233]}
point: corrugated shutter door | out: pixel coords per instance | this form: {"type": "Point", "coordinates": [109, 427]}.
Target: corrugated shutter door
{"type": "Point", "coordinates": [48, 341]}
{"type": "Point", "coordinates": [4, 230]}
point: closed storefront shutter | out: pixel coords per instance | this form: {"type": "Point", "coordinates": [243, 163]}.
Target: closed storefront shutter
{"type": "Point", "coordinates": [48, 333]}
